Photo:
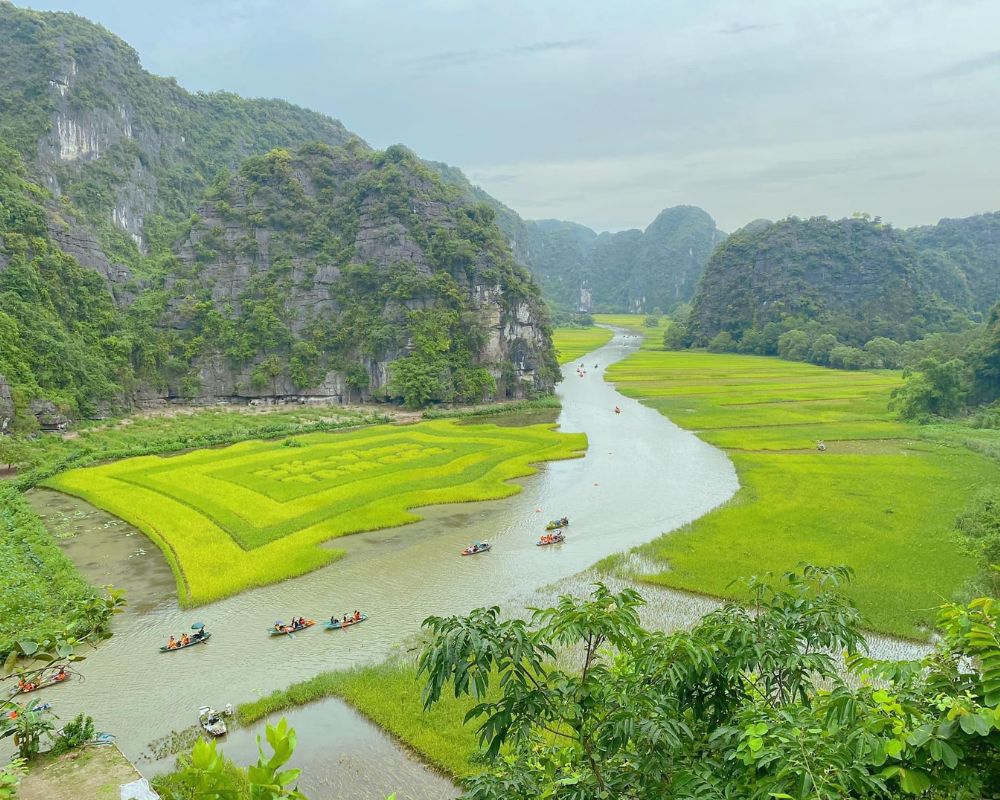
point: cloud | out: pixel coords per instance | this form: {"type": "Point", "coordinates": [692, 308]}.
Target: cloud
{"type": "Point", "coordinates": [746, 27]}
{"type": "Point", "coordinates": [547, 47]}
{"type": "Point", "coordinates": [461, 58]}
{"type": "Point", "coordinates": [969, 66]}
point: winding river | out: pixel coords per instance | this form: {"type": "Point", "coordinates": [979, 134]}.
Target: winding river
{"type": "Point", "coordinates": [642, 475]}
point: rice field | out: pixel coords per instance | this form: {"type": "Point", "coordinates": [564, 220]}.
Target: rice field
{"type": "Point", "coordinates": [882, 498]}
{"type": "Point", "coordinates": [571, 343]}
{"type": "Point", "coordinates": [652, 338]}
{"type": "Point", "coordinates": [233, 518]}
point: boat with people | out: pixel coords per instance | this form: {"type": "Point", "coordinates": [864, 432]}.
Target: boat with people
{"type": "Point", "coordinates": [297, 624]}
{"type": "Point", "coordinates": [555, 524]}
{"type": "Point", "coordinates": [345, 622]}
{"type": "Point", "coordinates": [27, 685]}
{"type": "Point", "coordinates": [184, 640]}
{"type": "Point", "coordinates": [212, 721]}
{"type": "Point", "coordinates": [551, 538]}
{"type": "Point", "coordinates": [476, 547]}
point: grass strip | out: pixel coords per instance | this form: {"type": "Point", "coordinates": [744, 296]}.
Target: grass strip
{"type": "Point", "coordinates": [389, 695]}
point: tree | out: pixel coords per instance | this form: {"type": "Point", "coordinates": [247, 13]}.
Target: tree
{"type": "Point", "coordinates": [267, 371]}
{"type": "Point", "coordinates": [937, 388]}
{"type": "Point", "coordinates": [675, 336]}
{"type": "Point", "coordinates": [883, 353]}
{"type": "Point", "coordinates": [794, 345]}
{"type": "Point", "coordinates": [14, 451]}
{"type": "Point", "coordinates": [357, 380]}
{"type": "Point", "coordinates": [722, 342]}
{"type": "Point", "coordinates": [580, 702]}
{"type": "Point", "coordinates": [822, 346]}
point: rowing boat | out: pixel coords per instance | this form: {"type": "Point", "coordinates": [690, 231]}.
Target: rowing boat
{"type": "Point", "coordinates": [191, 643]}
{"type": "Point", "coordinates": [337, 625]}
{"type": "Point", "coordinates": [285, 630]}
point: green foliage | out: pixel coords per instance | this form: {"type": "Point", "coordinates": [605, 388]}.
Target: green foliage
{"type": "Point", "coordinates": [10, 778]}
{"type": "Point", "coordinates": [75, 733]}
{"type": "Point", "coordinates": [26, 726]}
{"type": "Point", "coordinates": [750, 703]}
{"type": "Point", "coordinates": [207, 775]}
{"type": "Point", "coordinates": [60, 333]}
{"type": "Point", "coordinates": [935, 389]}
{"type": "Point", "coordinates": [979, 527]}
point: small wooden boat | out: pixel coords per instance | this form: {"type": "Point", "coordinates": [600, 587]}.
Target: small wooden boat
{"type": "Point", "coordinates": [198, 638]}
{"type": "Point", "coordinates": [555, 538]}
{"type": "Point", "coordinates": [27, 687]}
{"type": "Point", "coordinates": [555, 524]}
{"type": "Point", "coordinates": [284, 630]}
{"type": "Point", "coordinates": [336, 625]}
{"type": "Point", "coordinates": [473, 549]}
{"type": "Point", "coordinates": [212, 721]}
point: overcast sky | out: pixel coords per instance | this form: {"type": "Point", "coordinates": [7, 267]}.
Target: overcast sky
{"type": "Point", "coordinates": [606, 112]}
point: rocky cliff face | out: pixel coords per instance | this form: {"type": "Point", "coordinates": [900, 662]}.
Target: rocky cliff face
{"type": "Point", "coordinates": [122, 143]}
{"type": "Point", "coordinates": [349, 256]}
{"type": "Point", "coordinates": [6, 406]}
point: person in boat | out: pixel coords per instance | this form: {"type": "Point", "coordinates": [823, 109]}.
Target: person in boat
{"type": "Point", "coordinates": [357, 615]}
{"type": "Point", "coordinates": [344, 620]}
{"type": "Point", "coordinates": [618, 410]}
{"type": "Point", "coordinates": [171, 643]}
{"type": "Point", "coordinates": [61, 675]}
{"type": "Point", "coordinates": [185, 640]}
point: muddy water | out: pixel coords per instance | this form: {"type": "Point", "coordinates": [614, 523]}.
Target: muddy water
{"type": "Point", "coordinates": [642, 475]}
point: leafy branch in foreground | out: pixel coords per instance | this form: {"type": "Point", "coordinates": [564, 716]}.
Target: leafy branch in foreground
{"type": "Point", "coordinates": [753, 702]}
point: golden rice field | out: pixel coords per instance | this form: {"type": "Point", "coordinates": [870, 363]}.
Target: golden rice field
{"type": "Point", "coordinates": [233, 518]}
{"type": "Point", "coordinates": [881, 498]}
{"type": "Point", "coordinates": [571, 343]}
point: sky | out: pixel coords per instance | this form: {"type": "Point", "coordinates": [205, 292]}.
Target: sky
{"type": "Point", "coordinates": [606, 112]}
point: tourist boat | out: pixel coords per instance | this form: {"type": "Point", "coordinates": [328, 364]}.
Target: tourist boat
{"type": "Point", "coordinates": [212, 721]}
{"type": "Point", "coordinates": [557, 523]}
{"type": "Point", "coordinates": [555, 538]}
{"type": "Point", "coordinates": [336, 625]}
{"type": "Point", "coordinates": [281, 629]}
{"type": "Point", "coordinates": [51, 680]}
{"type": "Point", "coordinates": [478, 547]}
{"type": "Point", "coordinates": [200, 636]}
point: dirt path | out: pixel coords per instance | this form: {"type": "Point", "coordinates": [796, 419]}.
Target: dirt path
{"type": "Point", "coordinates": [94, 773]}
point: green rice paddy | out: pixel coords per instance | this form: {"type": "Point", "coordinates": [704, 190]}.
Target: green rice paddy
{"type": "Point", "coordinates": [571, 343]}
{"type": "Point", "coordinates": [636, 323]}
{"type": "Point", "coordinates": [233, 518]}
{"type": "Point", "coordinates": [882, 498]}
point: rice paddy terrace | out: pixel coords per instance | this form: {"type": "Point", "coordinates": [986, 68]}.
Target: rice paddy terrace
{"type": "Point", "coordinates": [255, 513]}
{"type": "Point", "coordinates": [881, 497]}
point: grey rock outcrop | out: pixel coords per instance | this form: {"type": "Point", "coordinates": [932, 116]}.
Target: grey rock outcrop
{"type": "Point", "coordinates": [6, 406]}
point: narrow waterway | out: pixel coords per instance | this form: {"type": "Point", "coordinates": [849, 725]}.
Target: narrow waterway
{"type": "Point", "coordinates": [642, 475]}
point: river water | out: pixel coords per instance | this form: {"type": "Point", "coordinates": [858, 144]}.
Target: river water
{"type": "Point", "coordinates": [642, 475]}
